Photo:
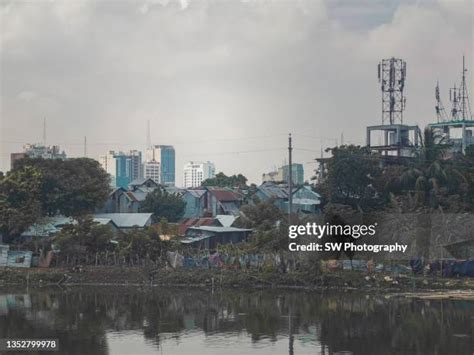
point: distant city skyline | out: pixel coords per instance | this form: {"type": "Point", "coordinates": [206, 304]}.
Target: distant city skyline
{"type": "Point", "coordinates": [219, 81]}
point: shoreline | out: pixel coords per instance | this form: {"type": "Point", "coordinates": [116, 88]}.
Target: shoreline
{"type": "Point", "coordinates": [236, 279]}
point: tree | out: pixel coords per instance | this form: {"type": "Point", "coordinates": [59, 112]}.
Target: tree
{"type": "Point", "coordinates": [427, 184]}
{"type": "Point", "coordinates": [19, 201]}
{"type": "Point", "coordinates": [429, 178]}
{"type": "Point", "coordinates": [351, 174]}
{"type": "Point", "coordinates": [164, 205]}
{"type": "Point", "coordinates": [260, 216]}
{"type": "Point", "coordinates": [222, 180]}
{"type": "Point", "coordinates": [84, 237]}
{"type": "Point", "coordinates": [71, 187]}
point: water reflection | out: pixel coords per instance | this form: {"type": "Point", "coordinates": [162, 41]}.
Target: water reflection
{"type": "Point", "coordinates": [167, 321]}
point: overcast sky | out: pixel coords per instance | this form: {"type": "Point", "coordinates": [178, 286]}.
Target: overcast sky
{"type": "Point", "coordinates": [220, 80]}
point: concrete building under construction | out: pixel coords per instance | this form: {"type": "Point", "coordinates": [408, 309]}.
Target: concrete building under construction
{"type": "Point", "coordinates": [393, 138]}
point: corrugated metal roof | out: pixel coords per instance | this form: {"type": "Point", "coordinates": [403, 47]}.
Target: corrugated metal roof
{"type": "Point", "coordinates": [273, 191]}
{"type": "Point", "coordinates": [230, 207]}
{"type": "Point", "coordinates": [225, 195]}
{"type": "Point", "coordinates": [196, 193]}
{"type": "Point", "coordinates": [127, 220]}
{"type": "Point", "coordinates": [306, 201]}
{"type": "Point", "coordinates": [130, 195]}
{"type": "Point", "coordinates": [103, 221]}
{"type": "Point", "coordinates": [185, 224]}
{"type": "Point", "coordinates": [141, 181]}
{"type": "Point", "coordinates": [137, 196]}
{"type": "Point", "coordinates": [53, 225]}
{"type": "Point", "coordinates": [174, 190]}
{"type": "Point", "coordinates": [216, 229]}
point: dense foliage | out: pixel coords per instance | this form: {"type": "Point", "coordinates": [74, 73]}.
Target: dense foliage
{"type": "Point", "coordinates": [222, 180]}
{"type": "Point", "coordinates": [37, 188]}
{"type": "Point", "coordinates": [164, 205]}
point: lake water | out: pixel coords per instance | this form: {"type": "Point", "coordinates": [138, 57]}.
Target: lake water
{"type": "Point", "coordinates": [177, 321]}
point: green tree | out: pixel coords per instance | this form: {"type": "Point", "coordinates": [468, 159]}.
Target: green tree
{"type": "Point", "coordinates": [222, 180]}
{"type": "Point", "coordinates": [20, 206]}
{"type": "Point", "coordinates": [429, 177]}
{"type": "Point", "coordinates": [164, 205]}
{"type": "Point", "coordinates": [260, 216]}
{"type": "Point", "coordinates": [352, 171]}
{"type": "Point", "coordinates": [71, 187]}
{"type": "Point", "coordinates": [427, 184]}
{"type": "Point", "coordinates": [84, 237]}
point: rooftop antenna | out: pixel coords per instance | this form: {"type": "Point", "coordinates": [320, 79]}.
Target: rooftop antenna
{"type": "Point", "coordinates": [465, 104]}
{"type": "Point", "coordinates": [461, 106]}
{"type": "Point", "coordinates": [454, 98]}
{"type": "Point", "coordinates": [392, 74]}
{"type": "Point", "coordinates": [440, 111]}
{"type": "Point", "coordinates": [148, 135]}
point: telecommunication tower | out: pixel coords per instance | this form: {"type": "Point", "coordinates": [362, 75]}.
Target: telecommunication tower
{"type": "Point", "coordinates": [391, 74]}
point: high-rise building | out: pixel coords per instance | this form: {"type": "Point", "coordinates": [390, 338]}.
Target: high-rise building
{"type": "Point", "coordinates": [196, 172]}
{"type": "Point", "coordinates": [38, 151]}
{"type": "Point", "coordinates": [151, 170]}
{"type": "Point", "coordinates": [123, 168]}
{"type": "Point", "coordinates": [135, 157]}
{"type": "Point", "coordinates": [165, 155]}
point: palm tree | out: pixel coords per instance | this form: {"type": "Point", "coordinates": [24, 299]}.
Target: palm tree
{"type": "Point", "coordinates": [424, 183]}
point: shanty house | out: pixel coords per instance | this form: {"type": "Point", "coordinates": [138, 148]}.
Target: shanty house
{"type": "Point", "coordinates": [209, 237]}
{"type": "Point", "coordinates": [195, 200]}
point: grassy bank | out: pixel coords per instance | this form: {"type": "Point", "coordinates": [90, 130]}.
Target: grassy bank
{"type": "Point", "coordinates": [135, 276]}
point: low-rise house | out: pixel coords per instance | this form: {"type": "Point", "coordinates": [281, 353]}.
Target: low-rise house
{"type": "Point", "coordinates": [211, 201]}
{"type": "Point", "coordinates": [114, 202]}
{"type": "Point", "coordinates": [270, 191]}
{"type": "Point", "coordinates": [222, 200]}
{"type": "Point", "coordinates": [14, 258]}
{"type": "Point", "coordinates": [52, 225]}
{"type": "Point", "coordinates": [305, 200]}
{"type": "Point", "coordinates": [125, 221]}
{"type": "Point", "coordinates": [130, 200]}
{"type": "Point", "coordinates": [209, 237]}
{"type": "Point", "coordinates": [196, 222]}
{"type": "Point", "coordinates": [143, 184]}
{"type": "Point", "coordinates": [195, 200]}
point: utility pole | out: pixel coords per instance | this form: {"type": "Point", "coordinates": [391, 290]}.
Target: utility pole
{"type": "Point", "coordinates": [290, 179]}
{"type": "Point", "coordinates": [44, 131]}
{"type": "Point", "coordinates": [85, 146]}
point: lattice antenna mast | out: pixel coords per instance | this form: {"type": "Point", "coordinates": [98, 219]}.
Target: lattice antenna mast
{"type": "Point", "coordinates": [440, 111]}
{"type": "Point", "coordinates": [454, 97]}
{"type": "Point", "coordinates": [459, 97]}
{"type": "Point", "coordinates": [392, 74]}
{"type": "Point", "coordinates": [464, 96]}
{"type": "Point", "coordinates": [148, 135]}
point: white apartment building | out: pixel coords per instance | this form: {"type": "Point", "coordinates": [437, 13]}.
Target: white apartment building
{"type": "Point", "coordinates": [109, 164]}
{"type": "Point", "coordinates": [196, 172]}
{"type": "Point", "coordinates": [151, 170]}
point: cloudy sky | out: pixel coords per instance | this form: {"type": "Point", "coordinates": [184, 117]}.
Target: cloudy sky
{"type": "Point", "coordinates": [221, 80]}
